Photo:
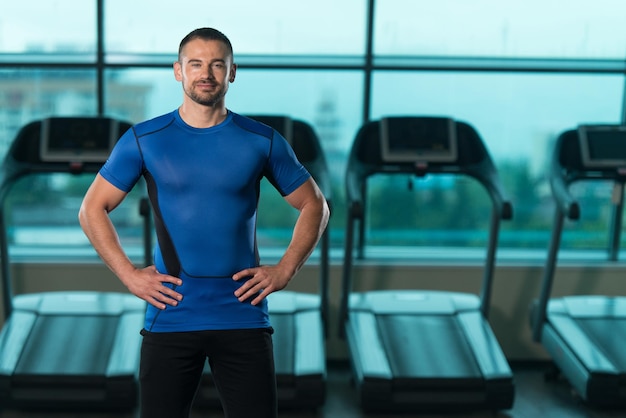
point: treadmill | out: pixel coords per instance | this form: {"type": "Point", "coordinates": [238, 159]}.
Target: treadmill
{"type": "Point", "coordinates": [420, 350]}
{"type": "Point", "coordinates": [584, 334]}
{"type": "Point", "coordinates": [299, 319]}
{"type": "Point", "coordinates": [65, 350]}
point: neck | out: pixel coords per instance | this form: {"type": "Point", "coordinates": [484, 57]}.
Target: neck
{"type": "Point", "coordinates": [200, 116]}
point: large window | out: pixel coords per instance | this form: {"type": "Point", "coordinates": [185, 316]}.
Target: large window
{"type": "Point", "coordinates": [501, 29]}
{"type": "Point", "coordinates": [271, 27]}
{"type": "Point", "coordinates": [519, 72]}
{"type": "Point", "coordinates": [48, 31]}
{"type": "Point", "coordinates": [519, 116]}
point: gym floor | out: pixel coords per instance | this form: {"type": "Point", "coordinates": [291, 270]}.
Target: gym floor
{"type": "Point", "coordinates": [539, 393]}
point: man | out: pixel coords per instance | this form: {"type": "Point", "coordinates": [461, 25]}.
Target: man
{"type": "Point", "coordinates": [206, 292]}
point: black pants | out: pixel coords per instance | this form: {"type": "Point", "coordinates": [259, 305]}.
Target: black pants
{"type": "Point", "coordinates": [242, 366]}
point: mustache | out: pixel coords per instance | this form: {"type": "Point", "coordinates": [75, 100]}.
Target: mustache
{"type": "Point", "coordinates": [209, 80]}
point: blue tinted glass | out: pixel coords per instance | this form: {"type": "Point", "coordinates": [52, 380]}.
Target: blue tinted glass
{"type": "Point", "coordinates": [56, 28]}
{"type": "Point", "coordinates": [28, 94]}
{"type": "Point", "coordinates": [267, 27]}
{"type": "Point", "coordinates": [519, 117]}
{"type": "Point", "coordinates": [497, 28]}
{"type": "Point", "coordinates": [518, 114]}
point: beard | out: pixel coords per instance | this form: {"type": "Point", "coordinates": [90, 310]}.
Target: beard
{"type": "Point", "coordinates": [205, 98]}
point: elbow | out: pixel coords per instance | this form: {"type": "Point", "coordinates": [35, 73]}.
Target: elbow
{"type": "Point", "coordinates": [86, 213]}
{"type": "Point", "coordinates": [82, 216]}
{"type": "Point", "coordinates": [325, 214]}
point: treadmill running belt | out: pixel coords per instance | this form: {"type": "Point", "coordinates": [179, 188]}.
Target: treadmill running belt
{"type": "Point", "coordinates": [426, 346]}
{"type": "Point", "coordinates": [68, 344]}
{"type": "Point", "coordinates": [605, 333]}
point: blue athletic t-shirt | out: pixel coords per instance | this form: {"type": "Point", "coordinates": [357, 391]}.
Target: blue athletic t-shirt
{"type": "Point", "coordinates": [204, 188]}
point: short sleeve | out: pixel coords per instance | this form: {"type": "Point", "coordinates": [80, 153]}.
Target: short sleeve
{"type": "Point", "coordinates": [285, 172]}
{"type": "Point", "coordinates": [125, 164]}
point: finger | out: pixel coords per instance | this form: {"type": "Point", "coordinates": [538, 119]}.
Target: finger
{"type": "Point", "coordinates": [165, 278]}
{"type": "Point", "coordinates": [260, 297]}
{"type": "Point", "coordinates": [171, 293]}
{"type": "Point", "coordinates": [156, 302]}
{"type": "Point", "coordinates": [174, 280]}
{"type": "Point", "coordinates": [242, 291]}
{"type": "Point", "coordinates": [244, 273]}
{"type": "Point", "coordinates": [245, 287]}
{"type": "Point", "coordinates": [252, 290]}
{"type": "Point", "coordinates": [161, 301]}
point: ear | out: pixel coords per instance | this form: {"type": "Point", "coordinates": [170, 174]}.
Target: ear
{"type": "Point", "coordinates": [233, 72]}
{"type": "Point", "coordinates": [178, 71]}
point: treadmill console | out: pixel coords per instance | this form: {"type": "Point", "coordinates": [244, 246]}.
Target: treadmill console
{"type": "Point", "coordinates": [603, 146]}
{"type": "Point", "coordinates": [423, 140]}
{"type": "Point", "coordinates": [77, 139]}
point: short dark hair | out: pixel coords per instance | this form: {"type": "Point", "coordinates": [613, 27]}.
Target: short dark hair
{"type": "Point", "coordinates": [207, 34]}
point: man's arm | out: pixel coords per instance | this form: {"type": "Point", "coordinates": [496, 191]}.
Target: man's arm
{"type": "Point", "coordinates": [147, 284]}
{"type": "Point", "coordinates": [311, 223]}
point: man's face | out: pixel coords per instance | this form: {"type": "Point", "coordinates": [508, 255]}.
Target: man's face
{"type": "Point", "coordinates": [205, 70]}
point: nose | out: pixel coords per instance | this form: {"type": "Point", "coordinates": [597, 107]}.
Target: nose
{"type": "Point", "coordinates": [208, 72]}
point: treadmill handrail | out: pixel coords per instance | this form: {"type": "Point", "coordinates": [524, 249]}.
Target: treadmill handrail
{"type": "Point", "coordinates": [559, 184]}
{"type": "Point", "coordinates": [566, 167]}
{"type": "Point", "coordinates": [21, 160]}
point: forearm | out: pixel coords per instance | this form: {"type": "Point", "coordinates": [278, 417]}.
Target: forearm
{"type": "Point", "coordinates": [307, 232]}
{"type": "Point", "coordinates": [100, 231]}
{"type": "Point", "coordinates": [145, 283]}
{"type": "Point", "coordinates": [311, 223]}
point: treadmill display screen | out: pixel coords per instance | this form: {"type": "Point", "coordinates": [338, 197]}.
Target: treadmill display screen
{"type": "Point", "coordinates": [603, 146]}
{"type": "Point", "coordinates": [77, 139]}
{"type": "Point", "coordinates": [406, 139]}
